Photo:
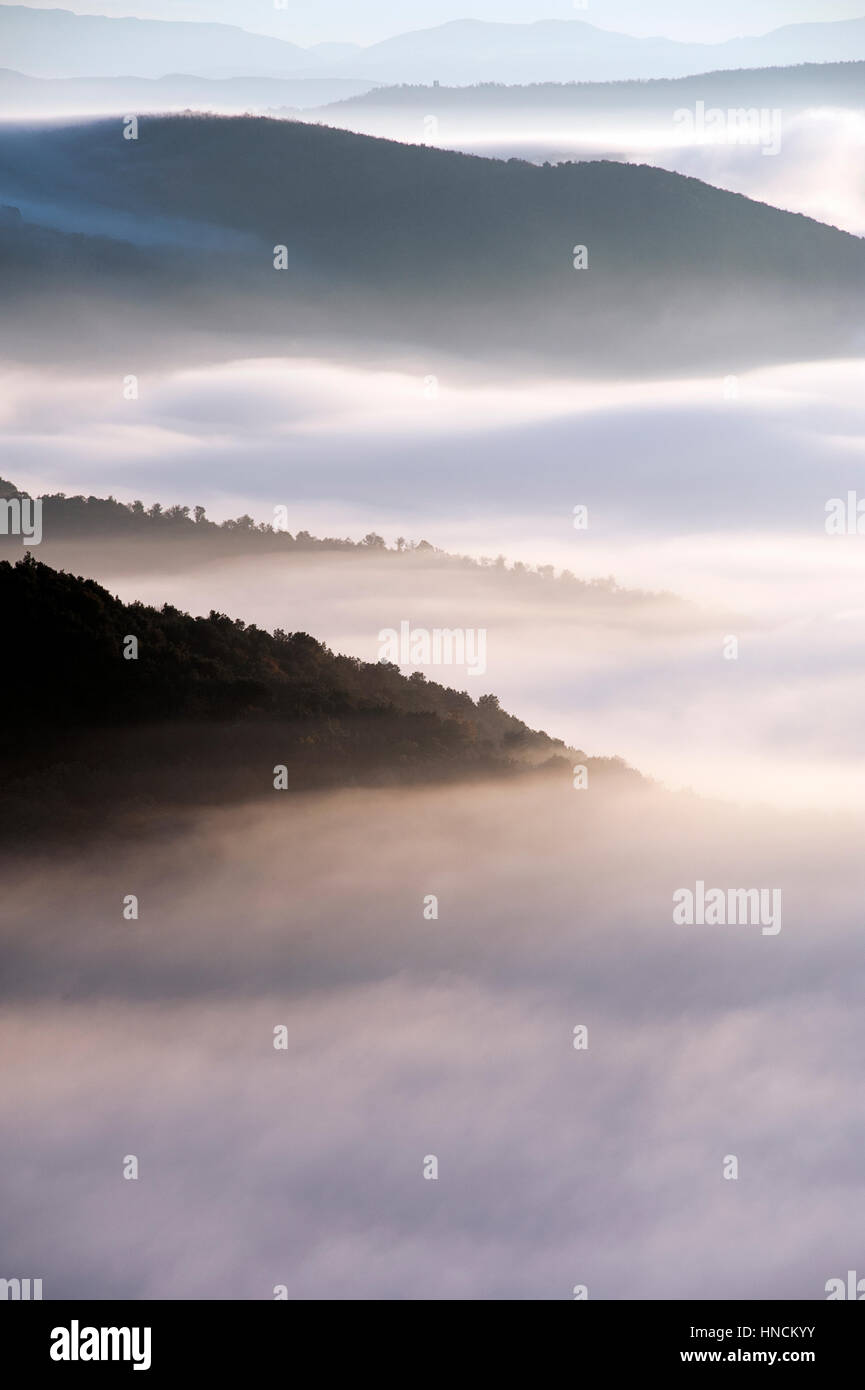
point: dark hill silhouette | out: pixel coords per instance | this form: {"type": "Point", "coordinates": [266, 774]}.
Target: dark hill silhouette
{"type": "Point", "coordinates": [68, 634]}
{"type": "Point", "coordinates": [394, 244]}
{"type": "Point", "coordinates": [210, 707]}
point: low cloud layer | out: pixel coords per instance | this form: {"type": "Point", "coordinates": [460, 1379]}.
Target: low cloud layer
{"type": "Point", "coordinates": [408, 1038]}
{"type": "Point", "coordinates": [714, 490]}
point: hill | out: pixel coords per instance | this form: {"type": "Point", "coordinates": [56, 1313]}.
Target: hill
{"type": "Point", "coordinates": [363, 105]}
{"type": "Point", "coordinates": [210, 707]}
{"type": "Point", "coordinates": [78, 530]}
{"type": "Point", "coordinates": [22, 95]}
{"type": "Point", "coordinates": [126, 243]}
{"type": "Point", "coordinates": [790, 89]}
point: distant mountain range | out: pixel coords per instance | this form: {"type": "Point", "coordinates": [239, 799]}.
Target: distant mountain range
{"type": "Point", "coordinates": [58, 43]}
{"type": "Point", "coordinates": [108, 243]}
{"type": "Point", "coordinates": [469, 51]}
{"type": "Point", "coordinates": [401, 111]}
{"type": "Point", "coordinates": [391, 110]}
{"type": "Point", "coordinates": [21, 95]}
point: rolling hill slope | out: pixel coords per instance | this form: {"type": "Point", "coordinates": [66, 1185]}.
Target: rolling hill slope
{"type": "Point", "coordinates": [398, 245]}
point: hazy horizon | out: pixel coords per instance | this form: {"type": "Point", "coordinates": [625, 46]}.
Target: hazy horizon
{"type": "Point", "coordinates": [335, 21]}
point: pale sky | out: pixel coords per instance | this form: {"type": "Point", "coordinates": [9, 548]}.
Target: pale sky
{"type": "Point", "coordinates": [317, 21]}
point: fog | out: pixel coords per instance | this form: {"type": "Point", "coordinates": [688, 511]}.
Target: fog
{"type": "Point", "coordinates": [647, 681]}
{"type": "Point", "coordinates": [408, 1038]}
{"type": "Point", "coordinates": [489, 467]}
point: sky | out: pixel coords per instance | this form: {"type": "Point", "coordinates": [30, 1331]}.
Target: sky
{"type": "Point", "coordinates": [345, 21]}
